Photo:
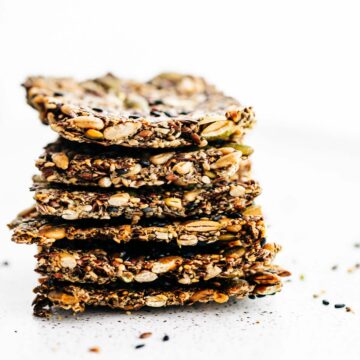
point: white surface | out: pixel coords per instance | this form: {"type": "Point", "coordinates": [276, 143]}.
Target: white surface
{"type": "Point", "coordinates": [298, 65]}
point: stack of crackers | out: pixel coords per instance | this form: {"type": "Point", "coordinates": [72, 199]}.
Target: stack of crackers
{"type": "Point", "coordinates": [146, 198]}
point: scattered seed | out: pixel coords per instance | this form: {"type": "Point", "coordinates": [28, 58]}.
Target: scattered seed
{"type": "Point", "coordinates": [357, 245]}
{"type": "Point", "coordinates": [155, 113]}
{"type": "Point", "coordinates": [325, 302]}
{"type": "Point", "coordinates": [339, 306]}
{"type": "Point", "coordinates": [321, 292]}
{"type": "Point", "coordinates": [94, 349]}
{"type": "Point", "coordinates": [139, 346]}
{"type": "Point", "coordinates": [353, 268]}
{"type": "Point", "coordinates": [335, 267]}
{"type": "Point", "coordinates": [5, 263]}
{"type": "Point", "coordinates": [165, 338]}
{"type": "Point", "coordinates": [302, 277]}
{"type": "Point", "coordinates": [157, 102]}
{"type": "Point", "coordinates": [145, 335]}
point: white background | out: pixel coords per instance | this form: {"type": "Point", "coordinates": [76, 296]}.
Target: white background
{"type": "Point", "coordinates": [297, 63]}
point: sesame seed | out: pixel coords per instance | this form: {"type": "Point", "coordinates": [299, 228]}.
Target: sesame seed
{"type": "Point", "coordinates": [339, 306]}
{"type": "Point", "coordinates": [145, 335]}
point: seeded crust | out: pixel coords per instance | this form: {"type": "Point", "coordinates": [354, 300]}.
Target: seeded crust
{"type": "Point", "coordinates": [76, 297]}
{"type": "Point", "coordinates": [169, 111]}
{"type": "Point", "coordinates": [101, 267]}
{"type": "Point", "coordinates": [89, 165]}
{"type": "Point", "coordinates": [248, 227]}
{"type": "Point", "coordinates": [145, 202]}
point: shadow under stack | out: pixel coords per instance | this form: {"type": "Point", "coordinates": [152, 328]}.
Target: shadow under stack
{"type": "Point", "coordinates": [146, 199]}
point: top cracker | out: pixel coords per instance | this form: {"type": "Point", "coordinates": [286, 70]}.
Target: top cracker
{"type": "Point", "coordinates": [169, 111]}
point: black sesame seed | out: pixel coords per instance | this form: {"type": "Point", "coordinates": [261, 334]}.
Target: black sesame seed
{"type": "Point", "coordinates": [58, 94]}
{"type": "Point", "coordinates": [134, 117]}
{"type": "Point", "coordinates": [159, 223]}
{"type": "Point", "coordinates": [252, 297]}
{"type": "Point", "coordinates": [144, 162]}
{"type": "Point", "coordinates": [325, 302]}
{"type": "Point", "coordinates": [339, 306]}
{"type": "Point", "coordinates": [97, 109]}
{"type": "Point", "coordinates": [122, 171]}
{"type": "Point", "coordinates": [165, 338]}
{"type": "Point", "coordinates": [155, 113]}
{"type": "Point", "coordinates": [262, 242]}
{"type": "Point", "coordinates": [217, 217]}
{"type": "Point", "coordinates": [139, 346]}
{"type": "Point", "coordinates": [234, 215]}
{"type": "Point", "coordinates": [112, 209]}
{"type": "Point", "coordinates": [157, 102]}
{"type": "Point", "coordinates": [167, 114]}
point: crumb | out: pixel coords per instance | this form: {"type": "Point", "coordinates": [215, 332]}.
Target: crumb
{"type": "Point", "coordinates": [128, 313]}
{"type": "Point", "coordinates": [321, 292]}
{"type": "Point", "coordinates": [145, 335]}
{"type": "Point", "coordinates": [165, 338]}
{"type": "Point", "coordinates": [353, 268]}
{"type": "Point", "coordinates": [302, 277]}
{"type": "Point", "coordinates": [349, 309]}
{"type": "Point", "coordinates": [94, 349]}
